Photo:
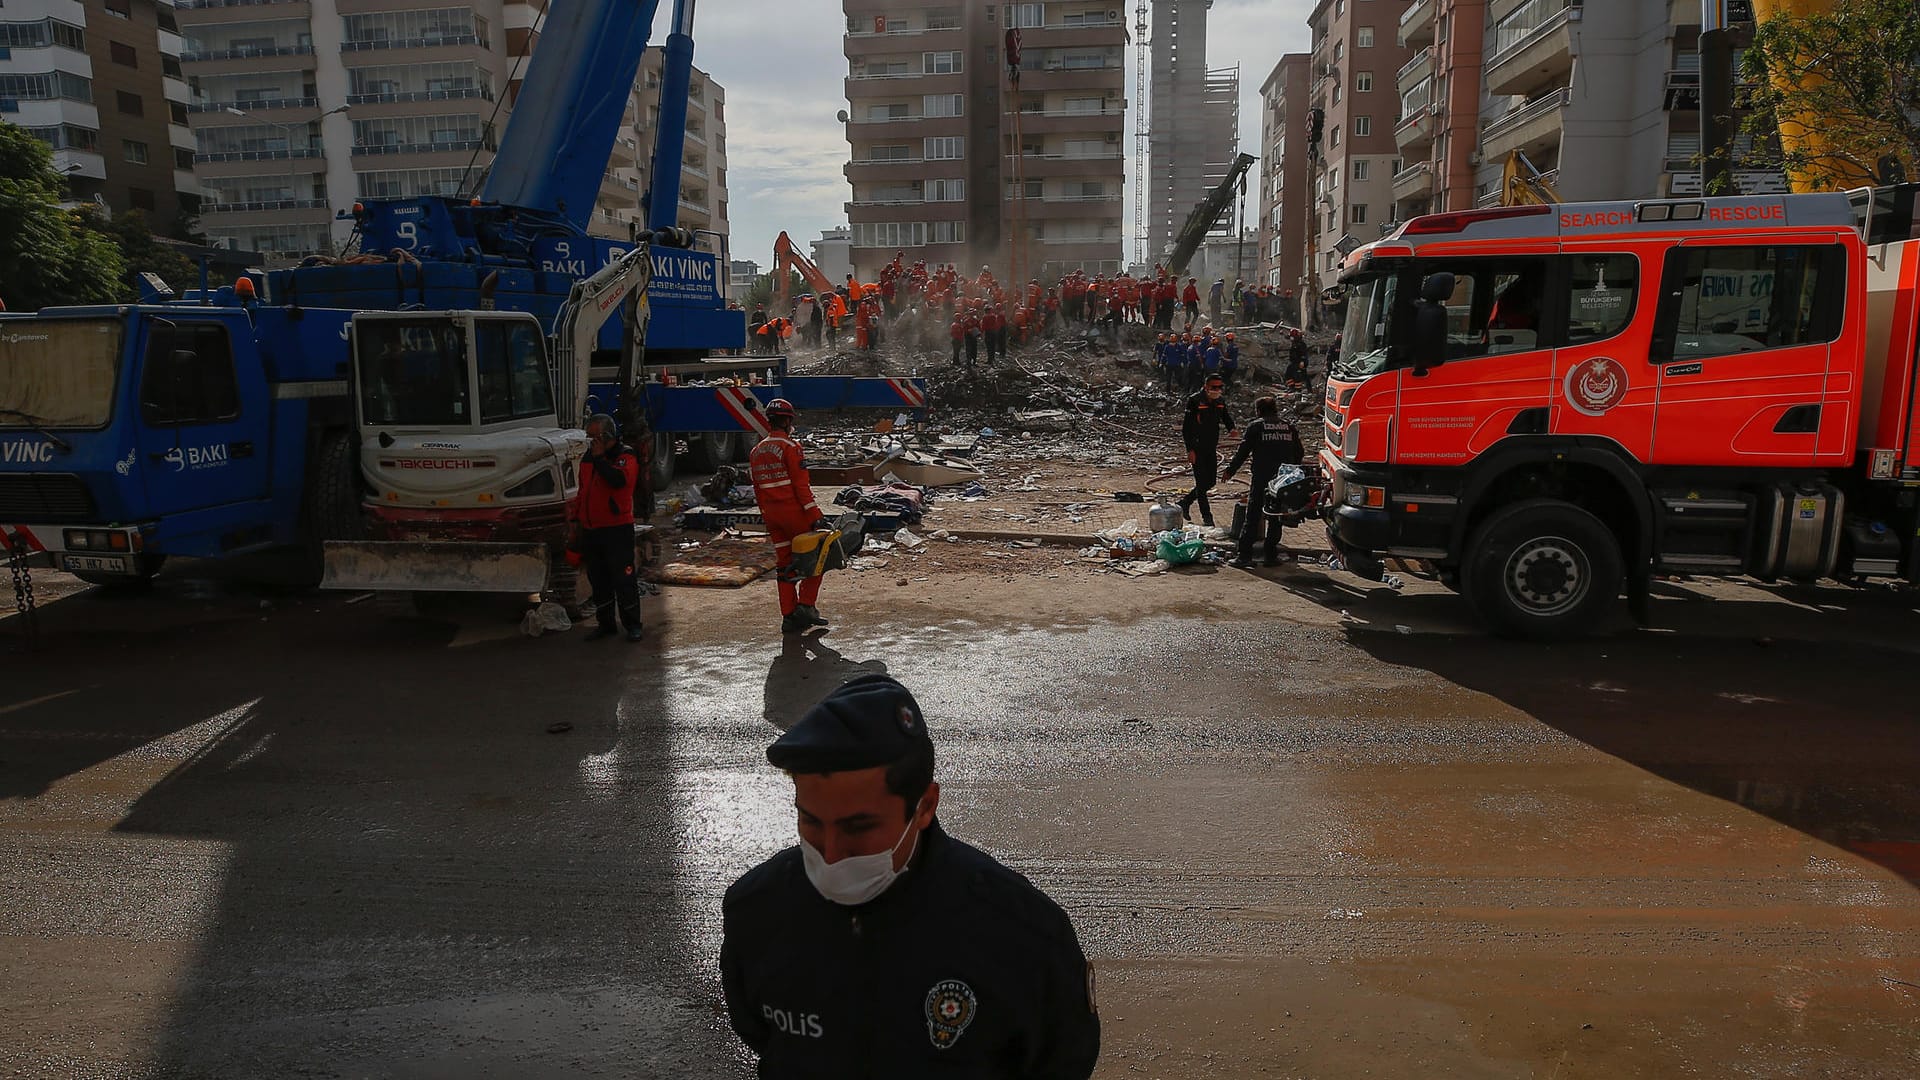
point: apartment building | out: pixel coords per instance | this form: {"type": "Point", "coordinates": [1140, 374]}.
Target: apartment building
{"type": "Point", "coordinates": [1602, 98]}
{"type": "Point", "coordinates": [833, 253]}
{"type": "Point", "coordinates": [1438, 131]}
{"type": "Point", "coordinates": [101, 82]}
{"type": "Point", "coordinates": [302, 106]}
{"type": "Point", "coordinates": [1283, 171]}
{"type": "Point", "coordinates": [703, 163]}
{"type": "Point", "coordinates": [1194, 132]}
{"type": "Point", "coordinates": [952, 164]}
{"type": "Point", "coordinates": [1356, 53]}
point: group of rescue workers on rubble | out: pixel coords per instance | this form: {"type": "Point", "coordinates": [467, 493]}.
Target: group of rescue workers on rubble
{"type": "Point", "coordinates": [980, 314]}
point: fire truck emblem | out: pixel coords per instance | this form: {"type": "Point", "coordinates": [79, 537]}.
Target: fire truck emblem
{"type": "Point", "coordinates": [1596, 385]}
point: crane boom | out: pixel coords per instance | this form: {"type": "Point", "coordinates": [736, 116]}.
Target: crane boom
{"type": "Point", "coordinates": [556, 145]}
{"type": "Point", "coordinates": [1208, 211]}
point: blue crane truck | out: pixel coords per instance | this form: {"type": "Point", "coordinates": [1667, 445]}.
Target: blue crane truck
{"type": "Point", "coordinates": [227, 421]}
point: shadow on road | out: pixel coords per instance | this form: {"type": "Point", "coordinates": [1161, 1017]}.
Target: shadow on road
{"type": "Point", "coordinates": [409, 873]}
{"type": "Point", "coordinates": [1820, 736]}
{"type": "Point", "coordinates": [807, 669]}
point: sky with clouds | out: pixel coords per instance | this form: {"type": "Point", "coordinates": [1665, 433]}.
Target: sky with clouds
{"type": "Point", "coordinates": [782, 65]}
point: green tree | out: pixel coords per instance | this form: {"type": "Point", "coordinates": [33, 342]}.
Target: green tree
{"type": "Point", "coordinates": [761, 295]}
{"type": "Point", "coordinates": [142, 251]}
{"type": "Point", "coordinates": [1841, 89]}
{"type": "Point", "coordinates": [47, 256]}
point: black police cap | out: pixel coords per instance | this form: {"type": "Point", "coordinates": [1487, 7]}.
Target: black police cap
{"type": "Point", "coordinates": [868, 722]}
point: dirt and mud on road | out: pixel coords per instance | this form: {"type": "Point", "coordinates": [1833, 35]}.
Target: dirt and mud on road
{"type": "Point", "coordinates": [1305, 826]}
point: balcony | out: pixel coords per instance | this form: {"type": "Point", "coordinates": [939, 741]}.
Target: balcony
{"type": "Point", "coordinates": [1415, 70]}
{"type": "Point", "coordinates": [442, 146]}
{"type": "Point", "coordinates": [1034, 166]}
{"type": "Point", "coordinates": [397, 96]}
{"type": "Point", "coordinates": [242, 52]}
{"type": "Point", "coordinates": [1413, 182]}
{"type": "Point", "coordinates": [249, 207]}
{"type": "Point", "coordinates": [1416, 23]}
{"type": "Point", "coordinates": [254, 106]}
{"type": "Point", "coordinates": [192, 5]}
{"type": "Point", "coordinates": [1534, 127]}
{"type": "Point", "coordinates": [1531, 48]}
{"type": "Point", "coordinates": [423, 42]}
{"type": "Point", "coordinates": [1064, 122]}
{"type": "Point", "coordinates": [1414, 133]}
{"type": "Point", "coordinates": [259, 155]}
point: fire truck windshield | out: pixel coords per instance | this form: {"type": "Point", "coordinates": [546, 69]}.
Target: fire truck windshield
{"type": "Point", "coordinates": [1364, 341]}
{"type": "Point", "coordinates": [58, 373]}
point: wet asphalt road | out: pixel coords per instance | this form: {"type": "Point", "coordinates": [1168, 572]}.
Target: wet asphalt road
{"type": "Point", "coordinates": [251, 835]}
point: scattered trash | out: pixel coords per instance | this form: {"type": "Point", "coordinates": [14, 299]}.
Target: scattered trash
{"type": "Point", "coordinates": [867, 562]}
{"type": "Point", "coordinates": [1026, 543]}
{"type": "Point", "coordinates": [1176, 551]}
{"type": "Point", "coordinates": [938, 534]}
{"type": "Point", "coordinates": [1128, 497]}
{"type": "Point", "coordinates": [906, 539]}
{"type": "Point", "coordinates": [549, 617]}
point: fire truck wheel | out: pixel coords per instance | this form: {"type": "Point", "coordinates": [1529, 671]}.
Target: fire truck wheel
{"type": "Point", "coordinates": [663, 464]}
{"type": "Point", "coordinates": [1543, 569]}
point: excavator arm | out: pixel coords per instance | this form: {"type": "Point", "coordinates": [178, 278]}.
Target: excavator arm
{"type": "Point", "coordinates": [787, 258]}
{"type": "Point", "coordinates": [1201, 220]}
{"type": "Point", "coordinates": [1523, 185]}
{"type": "Point", "coordinates": [591, 302]}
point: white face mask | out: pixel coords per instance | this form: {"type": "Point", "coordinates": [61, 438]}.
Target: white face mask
{"type": "Point", "coordinates": [856, 879]}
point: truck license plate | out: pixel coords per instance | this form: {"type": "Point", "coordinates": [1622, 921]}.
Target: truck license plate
{"type": "Point", "coordinates": [112, 564]}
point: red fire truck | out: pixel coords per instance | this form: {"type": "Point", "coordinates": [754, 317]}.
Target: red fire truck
{"type": "Point", "coordinates": [1553, 404]}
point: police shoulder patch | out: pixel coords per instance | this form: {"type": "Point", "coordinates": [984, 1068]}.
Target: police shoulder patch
{"type": "Point", "coordinates": [951, 1006]}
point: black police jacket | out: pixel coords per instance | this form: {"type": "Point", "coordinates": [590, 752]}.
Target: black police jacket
{"type": "Point", "coordinates": [962, 968]}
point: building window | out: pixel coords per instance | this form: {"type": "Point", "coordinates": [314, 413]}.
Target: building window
{"type": "Point", "coordinates": [123, 54]}
{"type": "Point", "coordinates": [1339, 9]}
{"type": "Point", "coordinates": [136, 152]}
{"type": "Point", "coordinates": [1336, 93]}
{"type": "Point", "coordinates": [944, 148]}
{"type": "Point", "coordinates": [948, 232]}
{"type": "Point", "coordinates": [1339, 51]}
{"type": "Point", "coordinates": [1333, 139]}
{"type": "Point", "coordinates": [183, 159]}
{"type": "Point", "coordinates": [177, 113]}
{"type": "Point", "coordinates": [1362, 125]}
{"type": "Point", "coordinates": [942, 105]}
{"type": "Point", "coordinates": [1363, 38]}
{"type": "Point", "coordinates": [1362, 82]}
{"type": "Point", "coordinates": [130, 103]}
{"type": "Point", "coordinates": [1026, 15]}
{"type": "Point", "coordinates": [1360, 168]}
{"type": "Point", "coordinates": [140, 198]}
{"type": "Point", "coordinates": [1357, 213]}
{"type": "Point", "coordinates": [120, 8]}
{"type": "Point", "coordinates": [940, 63]}
{"type": "Point", "coordinates": [946, 190]}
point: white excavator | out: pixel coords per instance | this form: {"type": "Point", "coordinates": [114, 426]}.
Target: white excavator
{"type": "Point", "coordinates": [470, 439]}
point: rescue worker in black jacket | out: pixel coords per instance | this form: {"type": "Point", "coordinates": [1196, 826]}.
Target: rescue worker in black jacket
{"type": "Point", "coordinates": [1206, 416]}
{"type": "Point", "coordinates": [1271, 442]}
{"type": "Point", "coordinates": [881, 948]}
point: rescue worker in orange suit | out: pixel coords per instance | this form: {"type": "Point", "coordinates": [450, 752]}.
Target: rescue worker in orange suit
{"type": "Point", "coordinates": [780, 486]}
{"type": "Point", "coordinates": [603, 520]}
{"type": "Point", "coordinates": [1206, 416]}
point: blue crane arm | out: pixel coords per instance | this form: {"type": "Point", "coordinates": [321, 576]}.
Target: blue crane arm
{"type": "Point", "coordinates": [670, 134]}
{"type": "Point", "coordinates": [569, 108]}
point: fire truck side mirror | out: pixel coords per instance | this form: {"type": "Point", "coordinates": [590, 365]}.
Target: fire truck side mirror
{"type": "Point", "coordinates": [1428, 348]}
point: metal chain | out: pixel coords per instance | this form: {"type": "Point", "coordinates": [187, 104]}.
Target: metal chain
{"type": "Point", "coordinates": [22, 574]}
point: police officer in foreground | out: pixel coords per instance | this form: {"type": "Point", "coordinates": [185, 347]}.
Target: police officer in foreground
{"type": "Point", "coordinates": [1271, 442]}
{"type": "Point", "coordinates": [882, 947]}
